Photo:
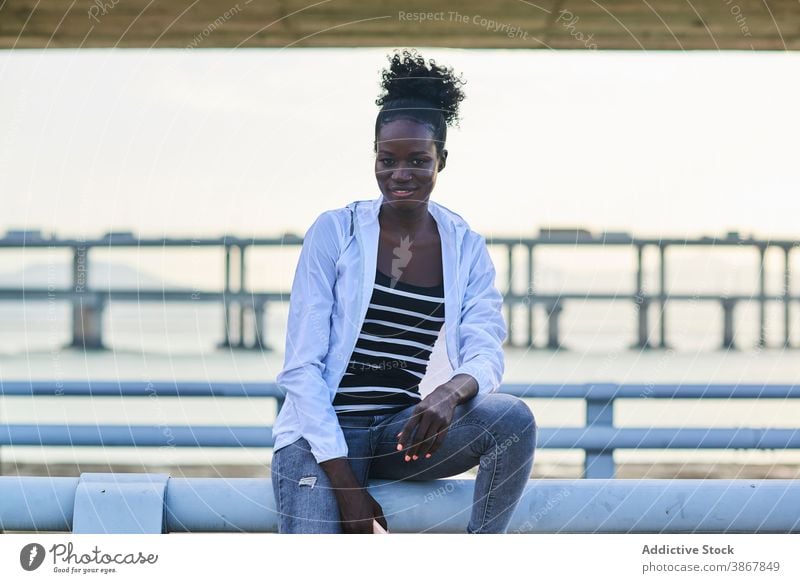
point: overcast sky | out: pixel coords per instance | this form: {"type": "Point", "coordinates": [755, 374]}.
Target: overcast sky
{"type": "Point", "coordinates": [260, 141]}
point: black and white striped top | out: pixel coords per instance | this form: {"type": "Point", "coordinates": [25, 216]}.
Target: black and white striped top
{"type": "Point", "coordinates": [392, 350]}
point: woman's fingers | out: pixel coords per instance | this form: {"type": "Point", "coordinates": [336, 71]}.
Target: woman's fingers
{"type": "Point", "coordinates": [411, 430]}
{"type": "Point", "coordinates": [437, 442]}
{"type": "Point", "coordinates": [420, 435]}
{"type": "Point", "coordinates": [405, 435]}
{"type": "Point", "coordinates": [429, 445]}
{"type": "Point", "coordinates": [380, 517]}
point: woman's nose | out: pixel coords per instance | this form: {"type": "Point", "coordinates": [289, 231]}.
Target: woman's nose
{"type": "Point", "coordinates": [401, 174]}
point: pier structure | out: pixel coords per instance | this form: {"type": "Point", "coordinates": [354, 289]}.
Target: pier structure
{"type": "Point", "coordinates": [245, 309]}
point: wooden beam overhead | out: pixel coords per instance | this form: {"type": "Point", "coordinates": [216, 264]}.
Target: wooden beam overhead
{"type": "Point", "coordinates": [508, 24]}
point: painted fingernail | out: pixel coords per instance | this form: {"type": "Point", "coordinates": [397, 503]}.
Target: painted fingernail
{"type": "Point", "coordinates": [399, 446]}
{"type": "Point", "coordinates": [427, 455]}
{"type": "Point", "coordinates": [407, 458]}
{"type": "Point", "coordinates": [415, 457]}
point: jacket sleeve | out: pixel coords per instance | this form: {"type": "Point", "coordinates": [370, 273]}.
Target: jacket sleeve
{"type": "Point", "coordinates": [482, 329]}
{"type": "Point", "coordinates": [307, 340]}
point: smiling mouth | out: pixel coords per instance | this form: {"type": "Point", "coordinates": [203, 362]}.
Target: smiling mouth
{"type": "Point", "coordinates": [402, 191]}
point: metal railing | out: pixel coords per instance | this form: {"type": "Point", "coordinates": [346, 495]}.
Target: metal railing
{"type": "Point", "coordinates": [158, 503]}
{"type": "Point", "coordinates": [599, 438]}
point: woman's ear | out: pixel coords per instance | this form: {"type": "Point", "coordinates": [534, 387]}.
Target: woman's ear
{"type": "Point", "coordinates": [442, 160]}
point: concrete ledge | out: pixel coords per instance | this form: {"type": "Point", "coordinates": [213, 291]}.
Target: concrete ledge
{"type": "Point", "coordinates": [547, 506]}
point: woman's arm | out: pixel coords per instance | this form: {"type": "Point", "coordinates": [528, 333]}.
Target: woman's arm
{"type": "Point", "coordinates": [307, 340]}
{"type": "Point", "coordinates": [482, 331]}
{"type": "Point", "coordinates": [307, 344]}
{"type": "Point", "coordinates": [482, 328]}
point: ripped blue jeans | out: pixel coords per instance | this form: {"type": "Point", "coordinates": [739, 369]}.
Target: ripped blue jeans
{"type": "Point", "coordinates": [495, 431]}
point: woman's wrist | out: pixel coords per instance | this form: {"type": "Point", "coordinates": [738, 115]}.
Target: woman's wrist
{"type": "Point", "coordinates": [340, 473]}
{"type": "Point", "coordinates": [460, 389]}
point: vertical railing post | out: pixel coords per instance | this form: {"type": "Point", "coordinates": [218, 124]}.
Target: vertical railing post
{"type": "Point", "coordinates": [599, 413]}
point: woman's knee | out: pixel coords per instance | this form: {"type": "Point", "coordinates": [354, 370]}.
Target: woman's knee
{"type": "Point", "coordinates": [507, 413]}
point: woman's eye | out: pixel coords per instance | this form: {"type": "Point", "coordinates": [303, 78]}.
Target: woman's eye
{"type": "Point", "coordinates": [386, 161]}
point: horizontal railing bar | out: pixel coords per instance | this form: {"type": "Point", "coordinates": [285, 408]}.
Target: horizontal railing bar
{"type": "Point", "coordinates": [609, 391]}
{"type": "Point", "coordinates": [589, 391]}
{"type": "Point", "coordinates": [136, 435]}
{"type": "Point", "coordinates": [140, 389]}
{"type": "Point", "coordinates": [37, 503]}
{"type": "Point", "coordinates": [599, 438]}
{"type": "Point", "coordinates": [594, 438]}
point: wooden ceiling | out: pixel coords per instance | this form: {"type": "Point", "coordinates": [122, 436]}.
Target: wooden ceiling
{"type": "Point", "coordinates": [510, 24]}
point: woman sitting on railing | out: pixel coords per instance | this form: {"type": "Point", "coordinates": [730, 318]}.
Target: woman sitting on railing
{"type": "Point", "coordinates": [375, 283]}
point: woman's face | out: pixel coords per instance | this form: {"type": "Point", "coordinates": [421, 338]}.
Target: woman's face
{"type": "Point", "coordinates": [406, 163]}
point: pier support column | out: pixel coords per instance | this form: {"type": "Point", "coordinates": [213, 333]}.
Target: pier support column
{"type": "Point", "coordinates": [259, 327]}
{"type": "Point", "coordinates": [762, 299]}
{"type": "Point", "coordinates": [226, 303]}
{"type": "Point", "coordinates": [529, 296]}
{"type": "Point", "coordinates": [728, 306]}
{"type": "Point", "coordinates": [643, 305]}
{"type": "Point", "coordinates": [553, 311]}
{"type": "Point", "coordinates": [87, 308]}
{"type": "Point", "coordinates": [242, 286]}
{"type": "Point", "coordinates": [641, 302]}
{"type": "Point", "coordinates": [787, 278]}
{"type": "Point", "coordinates": [662, 294]}
{"type": "Point", "coordinates": [510, 294]}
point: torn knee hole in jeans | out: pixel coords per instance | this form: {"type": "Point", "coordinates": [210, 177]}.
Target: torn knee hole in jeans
{"type": "Point", "coordinates": [307, 481]}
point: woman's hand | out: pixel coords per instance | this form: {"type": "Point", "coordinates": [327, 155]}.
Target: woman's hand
{"type": "Point", "coordinates": [357, 507]}
{"type": "Point", "coordinates": [433, 415]}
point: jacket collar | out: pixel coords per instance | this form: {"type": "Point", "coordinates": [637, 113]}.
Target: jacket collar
{"type": "Point", "coordinates": [450, 224]}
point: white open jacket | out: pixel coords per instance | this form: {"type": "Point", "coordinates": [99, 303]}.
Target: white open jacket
{"type": "Point", "coordinates": [330, 295]}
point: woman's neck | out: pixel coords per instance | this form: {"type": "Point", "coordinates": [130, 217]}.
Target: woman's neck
{"type": "Point", "coordinates": [411, 221]}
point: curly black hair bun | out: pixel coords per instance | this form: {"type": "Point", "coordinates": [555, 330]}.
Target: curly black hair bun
{"type": "Point", "coordinates": [409, 79]}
